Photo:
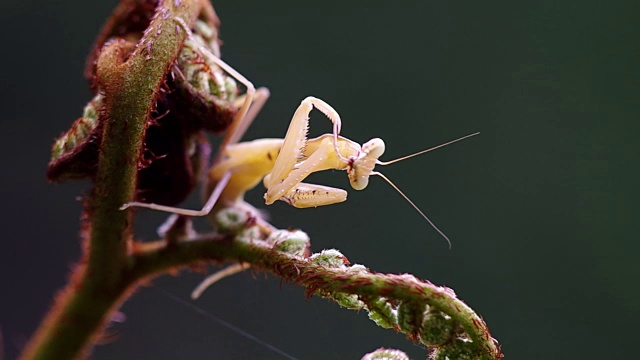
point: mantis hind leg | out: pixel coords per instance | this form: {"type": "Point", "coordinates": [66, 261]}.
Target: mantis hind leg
{"type": "Point", "coordinates": [232, 134]}
{"type": "Point", "coordinates": [247, 112]}
{"type": "Point", "coordinates": [259, 99]}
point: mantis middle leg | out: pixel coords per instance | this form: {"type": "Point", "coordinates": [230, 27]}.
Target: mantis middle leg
{"type": "Point", "coordinates": [241, 121]}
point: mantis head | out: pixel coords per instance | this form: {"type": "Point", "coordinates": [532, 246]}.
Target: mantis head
{"type": "Point", "coordinates": [361, 166]}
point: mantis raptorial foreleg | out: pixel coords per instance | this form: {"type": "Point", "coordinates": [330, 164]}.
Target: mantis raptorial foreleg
{"type": "Point", "coordinates": [312, 195]}
{"type": "Point", "coordinates": [293, 191]}
{"type": "Point", "coordinates": [292, 166]}
{"type": "Point", "coordinates": [296, 138]}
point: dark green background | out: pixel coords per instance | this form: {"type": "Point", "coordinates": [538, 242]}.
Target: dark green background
{"type": "Point", "coordinates": [541, 207]}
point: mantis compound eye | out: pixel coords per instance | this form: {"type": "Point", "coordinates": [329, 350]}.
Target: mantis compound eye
{"type": "Point", "coordinates": [365, 162]}
{"type": "Point", "coordinates": [358, 181]}
{"type": "Point", "coordinates": [373, 148]}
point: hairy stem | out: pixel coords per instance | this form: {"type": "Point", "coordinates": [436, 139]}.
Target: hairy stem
{"type": "Point", "coordinates": [156, 257]}
{"type": "Point", "coordinates": [100, 282]}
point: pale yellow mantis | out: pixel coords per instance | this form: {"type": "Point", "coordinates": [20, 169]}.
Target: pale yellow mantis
{"type": "Point", "coordinates": [282, 164]}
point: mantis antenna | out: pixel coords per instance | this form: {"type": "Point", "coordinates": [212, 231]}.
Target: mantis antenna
{"type": "Point", "coordinates": [405, 196]}
{"type": "Point", "coordinates": [425, 151]}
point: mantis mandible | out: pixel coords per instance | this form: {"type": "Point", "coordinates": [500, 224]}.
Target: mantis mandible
{"type": "Point", "coordinates": [282, 164]}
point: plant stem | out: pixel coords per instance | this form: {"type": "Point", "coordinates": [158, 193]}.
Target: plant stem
{"type": "Point", "coordinates": [100, 283]}
{"type": "Point", "coordinates": [156, 257]}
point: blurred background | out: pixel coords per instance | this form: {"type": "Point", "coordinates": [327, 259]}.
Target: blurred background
{"type": "Point", "coordinates": [540, 207]}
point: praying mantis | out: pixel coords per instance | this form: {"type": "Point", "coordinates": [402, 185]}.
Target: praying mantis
{"type": "Point", "coordinates": [283, 164]}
